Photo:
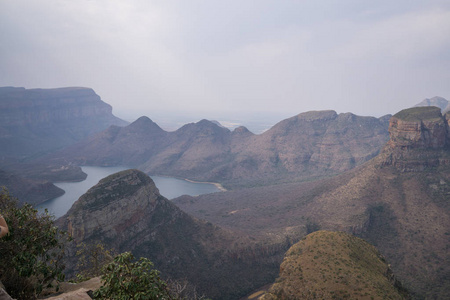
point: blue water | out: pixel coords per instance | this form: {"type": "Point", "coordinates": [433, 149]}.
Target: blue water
{"type": "Point", "coordinates": [168, 187]}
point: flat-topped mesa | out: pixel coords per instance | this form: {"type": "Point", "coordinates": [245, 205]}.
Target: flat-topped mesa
{"type": "Point", "coordinates": [419, 128]}
{"type": "Point", "coordinates": [419, 140]}
{"type": "Point", "coordinates": [35, 122]}
{"type": "Point", "coordinates": [35, 106]}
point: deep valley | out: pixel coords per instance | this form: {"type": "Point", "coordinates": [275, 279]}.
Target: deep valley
{"type": "Point", "coordinates": [319, 182]}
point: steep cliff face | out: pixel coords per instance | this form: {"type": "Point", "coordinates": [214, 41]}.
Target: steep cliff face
{"type": "Point", "coordinates": [419, 139]}
{"type": "Point", "coordinates": [20, 106]}
{"type": "Point", "coordinates": [35, 121]}
{"type": "Point", "coordinates": [126, 212]}
{"type": "Point", "coordinates": [421, 127]}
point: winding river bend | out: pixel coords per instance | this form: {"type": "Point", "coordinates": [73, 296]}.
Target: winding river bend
{"type": "Point", "coordinates": [169, 187]}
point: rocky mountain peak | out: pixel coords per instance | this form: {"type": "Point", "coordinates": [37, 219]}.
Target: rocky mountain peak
{"type": "Point", "coordinates": [203, 127]}
{"type": "Point", "coordinates": [208, 124]}
{"type": "Point", "coordinates": [440, 102]}
{"type": "Point", "coordinates": [242, 130]}
{"type": "Point", "coordinates": [303, 121]}
{"type": "Point", "coordinates": [115, 204]}
{"type": "Point", "coordinates": [144, 124]}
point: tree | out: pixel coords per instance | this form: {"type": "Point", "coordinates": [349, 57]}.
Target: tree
{"type": "Point", "coordinates": [124, 279]}
{"type": "Point", "coordinates": [32, 252]}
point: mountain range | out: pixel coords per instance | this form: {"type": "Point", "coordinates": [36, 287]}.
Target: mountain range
{"type": "Point", "coordinates": [312, 144]}
{"type": "Point", "coordinates": [385, 180]}
{"type": "Point", "coordinates": [398, 201]}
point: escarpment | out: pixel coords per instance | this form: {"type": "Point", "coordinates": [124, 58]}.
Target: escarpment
{"type": "Point", "coordinates": [34, 122]}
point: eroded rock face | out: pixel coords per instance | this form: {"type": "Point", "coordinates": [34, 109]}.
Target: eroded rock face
{"type": "Point", "coordinates": [419, 140]}
{"type": "Point", "coordinates": [421, 127]}
{"type": "Point", "coordinates": [114, 205]}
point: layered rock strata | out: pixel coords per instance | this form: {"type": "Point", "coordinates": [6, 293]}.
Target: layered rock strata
{"type": "Point", "coordinates": [419, 139]}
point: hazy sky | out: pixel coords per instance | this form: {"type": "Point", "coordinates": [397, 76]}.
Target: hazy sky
{"type": "Point", "coordinates": [206, 57]}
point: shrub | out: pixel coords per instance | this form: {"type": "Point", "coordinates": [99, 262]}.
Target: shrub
{"type": "Point", "coordinates": [32, 252]}
{"type": "Point", "coordinates": [124, 279]}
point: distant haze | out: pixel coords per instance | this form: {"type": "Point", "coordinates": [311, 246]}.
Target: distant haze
{"type": "Point", "coordinates": [231, 59]}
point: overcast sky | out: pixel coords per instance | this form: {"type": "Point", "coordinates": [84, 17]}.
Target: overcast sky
{"type": "Point", "coordinates": [206, 57]}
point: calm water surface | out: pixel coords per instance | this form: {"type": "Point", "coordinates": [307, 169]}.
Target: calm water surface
{"type": "Point", "coordinates": [168, 187]}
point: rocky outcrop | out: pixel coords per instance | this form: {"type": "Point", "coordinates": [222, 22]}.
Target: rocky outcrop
{"type": "Point", "coordinates": [419, 138]}
{"type": "Point", "coordinates": [422, 127]}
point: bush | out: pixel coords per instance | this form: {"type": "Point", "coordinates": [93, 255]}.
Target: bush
{"type": "Point", "coordinates": [32, 252]}
{"type": "Point", "coordinates": [124, 279]}
{"type": "Point", "coordinates": [91, 260]}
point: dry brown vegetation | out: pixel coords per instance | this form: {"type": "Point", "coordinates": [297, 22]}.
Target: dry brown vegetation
{"type": "Point", "coordinates": [334, 265]}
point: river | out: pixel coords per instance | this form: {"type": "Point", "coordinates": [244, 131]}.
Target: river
{"type": "Point", "coordinates": [169, 187]}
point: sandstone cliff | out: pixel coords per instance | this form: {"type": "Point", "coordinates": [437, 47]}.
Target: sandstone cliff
{"type": "Point", "coordinates": [419, 139]}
